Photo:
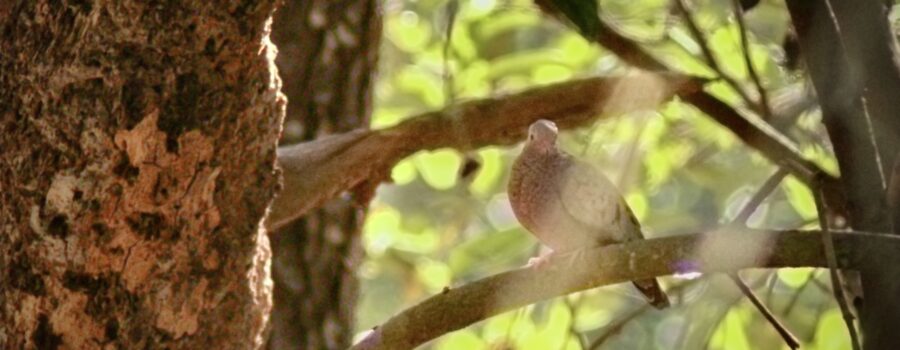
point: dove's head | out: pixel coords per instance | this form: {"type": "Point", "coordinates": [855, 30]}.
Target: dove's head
{"type": "Point", "coordinates": [542, 135]}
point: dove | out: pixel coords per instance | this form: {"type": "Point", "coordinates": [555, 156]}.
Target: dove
{"type": "Point", "coordinates": [569, 204]}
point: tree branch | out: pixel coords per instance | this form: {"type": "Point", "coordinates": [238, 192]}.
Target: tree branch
{"type": "Point", "coordinates": [759, 135]}
{"type": "Point", "coordinates": [752, 205]}
{"type": "Point", "coordinates": [318, 170]}
{"type": "Point", "coordinates": [711, 60]}
{"type": "Point", "coordinates": [727, 250]}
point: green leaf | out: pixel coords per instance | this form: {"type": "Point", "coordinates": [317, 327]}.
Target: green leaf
{"type": "Point", "coordinates": [425, 85]}
{"type": "Point", "coordinates": [486, 182]}
{"type": "Point", "coordinates": [731, 334]}
{"type": "Point", "coordinates": [434, 274]}
{"type": "Point", "coordinates": [550, 73]}
{"type": "Point", "coordinates": [831, 332]}
{"type": "Point", "coordinates": [407, 32]}
{"type": "Point", "coordinates": [491, 251]}
{"type": "Point", "coordinates": [523, 62]}
{"type": "Point", "coordinates": [800, 198]}
{"type": "Point", "coordinates": [461, 339]}
{"type": "Point", "coordinates": [439, 169]}
{"type": "Point", "coordinates": [794, 277]}
{"type": "Point", "coordinates": [403, 173]}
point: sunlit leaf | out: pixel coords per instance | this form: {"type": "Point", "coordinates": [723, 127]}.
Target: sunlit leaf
{"type": "Point", "coordinates": [731, 333]}
{"type": "Point", "coordinates": [576, 50]}
{"type": "Point", "coordinates": [550, 73]}
{"type": "Point", "coordinates": [472, 81]}
{"type": "Point", "coordinates": [434, 274]}
{"type": "Point", "coordinates": [427, 86]}
{"type": "Point", "coordinates": [831, 332]}
{"type": "Point", "coordinates": [408, 32]}
{"type": "Point", "coordinates": [589, 318]}
{"type": "Point", "coordinates": [440, 169]}
{"type": "Point", "coordinates": [800, 197]}
{"type": "Point", "coordinates": [524, 62]}
{"type": "Point", "coordinates": [380, 229]}
{"type": "Point", "coordinates": [726, 42]}
{"type": "Point", "coordinates": [403, 173]}
{"type": "Point", "coordinates": [637, 201]}
{"type": "Point", "coordinates": [491, 251]}
{"type": "Point", "coordinates": [794, 277]}
{"type": "Point", "coordinates": [486, 182]}
{"type": "Point", "coordinates": [461, 339]}
{"type": "Point", "coordinates": [551, 334]}
{"type": "Point", "coordinates": [506, 21]}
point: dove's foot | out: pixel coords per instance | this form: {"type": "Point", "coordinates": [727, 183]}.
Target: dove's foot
{"type": "Point", "coordinates": [539, 262]}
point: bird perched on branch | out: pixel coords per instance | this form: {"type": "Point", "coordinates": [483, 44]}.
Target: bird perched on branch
{"type": "Point", "coordinates": [569, 204]}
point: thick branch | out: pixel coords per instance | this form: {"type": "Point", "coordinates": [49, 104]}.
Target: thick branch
{"type": "Point", "coordinates": [724, 251]}
{"type": "Point", "coordinates": [761, 136]}
{"type": "Point", "coordinates": [318, 170]}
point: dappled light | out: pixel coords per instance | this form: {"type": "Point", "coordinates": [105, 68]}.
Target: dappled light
{"type": "Point", "coordinates": [677, 169]}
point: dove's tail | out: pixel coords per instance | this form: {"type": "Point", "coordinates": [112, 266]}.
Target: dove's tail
{"type": "Point", "coordinates": [653, 292]}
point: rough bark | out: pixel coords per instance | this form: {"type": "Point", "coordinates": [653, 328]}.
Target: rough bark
{"type": "Point", "coordinates": [327, 58]}
{"type": "Point", "coordinates": [848, 48]}
{"type": "Point", "coordinates": [137, 159]}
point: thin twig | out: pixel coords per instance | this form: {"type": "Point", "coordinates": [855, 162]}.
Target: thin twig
{"type": "Point", "coordinates": [759, 135]}
{"type": "Point", "coordinates": [785, 334]}
{"type": "Point", "coordinates": [710, 57]}
{"type": "Point", "coordinates": [796, 297]}
{"type": "Point", "coordinates": [831, 258]}
{"type": "Point", "coordinates": [732, 304]}
{"type": "Point", "coordinates": [450, 12]}
{"type": "Point", "coordinates": [764, 191]}
{"type": "Point", "coordinates": [751, 70]}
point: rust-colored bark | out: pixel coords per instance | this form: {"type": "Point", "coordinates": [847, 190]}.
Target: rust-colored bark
{"type": "Point", "coordinates": [327, 57]}
{"type": "Point", "coordinates": [136, 163]}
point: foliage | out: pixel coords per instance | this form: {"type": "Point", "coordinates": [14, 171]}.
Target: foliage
{"type": "Point", "coordinates": [680, 171]}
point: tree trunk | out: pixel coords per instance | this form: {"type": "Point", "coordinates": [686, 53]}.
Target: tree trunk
{"type": "Point", "coordinates": [137, 159]}
{"type": "Point", "coordinates": [327, 57]}
{"type": "Point", "coordinates": [848, 48]}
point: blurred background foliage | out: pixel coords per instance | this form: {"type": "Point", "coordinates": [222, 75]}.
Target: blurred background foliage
{"type": "Point", "coordinates": [682, 173]}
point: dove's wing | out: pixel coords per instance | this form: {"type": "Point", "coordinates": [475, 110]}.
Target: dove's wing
{"type": "Point", "coordinates": [591, 199]}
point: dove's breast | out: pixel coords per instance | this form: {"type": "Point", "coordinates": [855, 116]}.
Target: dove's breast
{"type": "Point", "coordinates": [534, 196]}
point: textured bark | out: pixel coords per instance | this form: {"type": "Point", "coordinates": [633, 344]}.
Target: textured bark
{"type": "Point", "coordinates": [137, 159]}
{"type": "Point", "coordinates": [328, 51]}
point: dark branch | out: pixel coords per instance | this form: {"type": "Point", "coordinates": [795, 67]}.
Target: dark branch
{"type": "Point", "coordinates": [785, 334]}
{"type": "Point", "coordinates": [761, 136]}
{"type": "Point", "coordinates": [837, 279]}
{"type": "Point", "coordinates": [728, 250]}
{"type": "Point", "coordinates": [751, 69]}
{"type": "Point", "coordinates": [710, 57]}
{"type": "Point", "coordinates": [752, 205]}
{"type": "Point", "coordinates": [774, 146]}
